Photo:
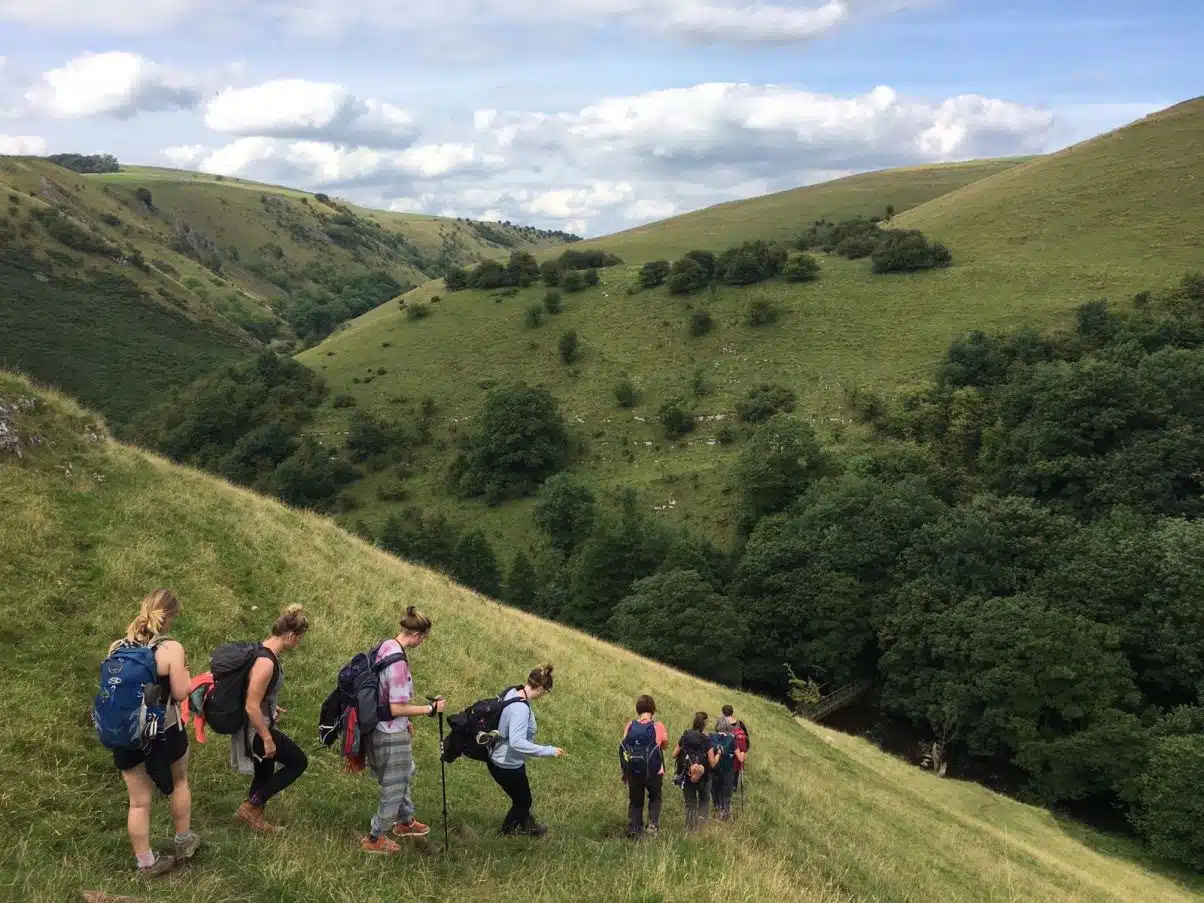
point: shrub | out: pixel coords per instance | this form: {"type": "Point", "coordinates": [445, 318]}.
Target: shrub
{"type": "Point", "coordinates": [110, 219]}
{"type": "Point", "coordinates": [700, 323]}
{"type": "Point", "coordinates": [800, 268]}
{"type": "Point", "coordinates": [344, 401]}
{"type": "Point", "coordinates": [591, 277]}
{"type": "Point", "coordinates": [1141, 299]}
{"type": "Point", "coordinates": [763, 401]}
{"type": "Point", "coordinates": [675, 419]}
{"type": "Point", "coordinates": [855, 247]}
{"type": "Point", "coordinates": [552, 302]}
{"type": "Point", "coordinates": [456, 279]}
{"type": "Point", "coordinates": [533, 318]}
{"type": "Point", "coordinates": [587, 260]}
{"type": "Point", "coordinates": [654, 273]}
{"type": "Point", "coordinates": [143, 196]}
{"type": "Point", "coordinates": [417, 311]}
{"type": "Point", "coordinates": [626, 394]}
{"type": "Point", "coordinates": [901, 251]}
{"type": "Point", "coordinates": [753, 261]}
{"type": "Point", "coordinates": [1192, 286]}
{"type": "Point", "coordinates": [488, 274]}
{"type": "Point", "coordinates": [704, 259]}
{"type": "Point", "coordinates": [549, 272]}
{"type": "Point", "coordinates": [569, 347]}
{"type": "Point", "coordinates": [726, 434]}
{"type": "Point", "coordinates": [761, 312]}
{"type": "Point", "coordinates": [572, 281]}
{"type": "Point", "coordinates": [687, 276]}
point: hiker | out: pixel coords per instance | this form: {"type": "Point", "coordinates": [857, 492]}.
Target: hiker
{"type": "Point", "coordinates": [389, 754]}
{"type": "Point", "coordinates": [161, 762]}
{"type": "Point", "coordinates": [260, 748]}
{"type": "Point", "coordinates": [696, 759]}
{"type": "Point", "coordinates": [740, 732]}
{"type": "Point", "coordinates": [723, 775]}
{"type": "Point", "coordinates": [508, 761]}
{"type": "Point", "coordinates": [642, 758]}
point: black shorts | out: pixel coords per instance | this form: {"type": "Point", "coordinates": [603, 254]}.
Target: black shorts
{"type": "Point", "coordinates": [163, 752]}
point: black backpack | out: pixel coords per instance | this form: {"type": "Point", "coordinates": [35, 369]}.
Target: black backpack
{"type": "Point", "coordinates": [694, 746]}
{"type": "Point", "coordinates": [466, 729]}
{"type": "Point", "coordinates": [225, 706]}
{"type": "Point", "coordinates": [358, 687]}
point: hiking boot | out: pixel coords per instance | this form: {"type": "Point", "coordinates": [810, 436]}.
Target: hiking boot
{"type": "Point", "coordinates": [186, 849]}
{"type": "Point", "coordinates": [532, 828]}
{"type": "Point", "coordinates": [252, 817]}
{"type": "Point", "coordinates": [414, 829]}
{"type": "Point", "coordinates": [652, 829]}
{"type": "Point", "coordinates": [161, 866]}
{"type": "Point", "coordinates": [381, 845]}
{"type": "Point", "coordinates": [488, 738]}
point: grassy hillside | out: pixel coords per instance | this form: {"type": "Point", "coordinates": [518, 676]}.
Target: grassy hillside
{"type": "Point", "coordinates": [1109, 217]}
{"type": "Point", "coordinates": [94, 524]}
{"type": "Point", "coordinates": [115, 299]}
{"type": "Point", "coordinates": [779, 216]}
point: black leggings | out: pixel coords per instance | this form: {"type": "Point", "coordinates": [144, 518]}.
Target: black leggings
{"type": "Point", "coordinates": [636, 786]}
{"type": "Point", "coordinates": [518, 788]}
{"type": "Point", "coordinates": [269, 780]}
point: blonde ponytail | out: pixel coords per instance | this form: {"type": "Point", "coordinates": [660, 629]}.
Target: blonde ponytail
{"type": "Point", "coordinates": [158, 607]}
{"type": "Point", "coordinates": [292, 620]}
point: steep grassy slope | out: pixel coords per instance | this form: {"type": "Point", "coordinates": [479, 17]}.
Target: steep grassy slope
{"type": "Point", "coordinates": [779, 216]}
{"type": "Point", "coordinates": [116, 299]}
{"type": "Point", "coordinates": [1110, 217]}
{"type": "Point", "coordinates": [90, 525]}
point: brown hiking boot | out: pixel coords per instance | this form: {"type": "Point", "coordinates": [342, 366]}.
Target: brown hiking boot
{"type": "Point", "coordinates": [252, 817]}
{"type": "Point", "coordinates": [161, 866]}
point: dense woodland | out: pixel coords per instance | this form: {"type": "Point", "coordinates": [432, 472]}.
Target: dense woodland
{"type": "Point", "coordinates": [1013, 559]}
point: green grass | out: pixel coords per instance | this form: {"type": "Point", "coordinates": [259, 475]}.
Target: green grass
{"type": "Point", "coordinates": [91, 525]}
{"type": "Point", "coordinates": [782, 215]}
{"type": "Point", "coordinates": [1110, 217]}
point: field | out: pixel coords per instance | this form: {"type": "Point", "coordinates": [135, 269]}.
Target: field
{"type": "Point", "coordinates": [94, 524]}
{"type": "Point", "coordinates": [1030, 242]}
{"type": "Point", "coordinates": [93, 274]}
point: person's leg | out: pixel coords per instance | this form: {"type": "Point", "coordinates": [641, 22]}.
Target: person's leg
{"type": "Point", "coordinates": [138, 820]}
{"type": "Point", "coordinates": [656, 785]}
{"type": "Point", "coordinates": [509, 780]}
{"type": "Point", "coordinates": [690, 798]}
{"type": "Point", "coordinates": [292, 763]}
{"type": "Point", "coordinates": [181, 796]}
{"type": "Point", "coordinates": [391, 765]}
{"type": "Point", "coordinates": [635, 804]}
{"type": "Point", "coordinates": [726, 795]}
{"type": "Point", "coordinates": [704, 798]}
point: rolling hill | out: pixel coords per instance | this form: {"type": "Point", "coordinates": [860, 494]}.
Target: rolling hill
{"type": "Point", "coordinates": [121, 285]}
{"type": "Point", "coordinates": [93, 524]}
{"type": "Point", "coordinates": [1107, 218]}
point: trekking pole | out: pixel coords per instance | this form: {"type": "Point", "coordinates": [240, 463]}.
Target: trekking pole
{"type": "Point", "coordinates": [442, 774]}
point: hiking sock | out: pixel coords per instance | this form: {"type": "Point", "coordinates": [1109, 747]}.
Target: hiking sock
{"type": "Point", "coordinates": [145, 860]}
{"type": "Point", "coordinates": [373, 836]}
{"type": "Point", "coordinates": [183, 838]}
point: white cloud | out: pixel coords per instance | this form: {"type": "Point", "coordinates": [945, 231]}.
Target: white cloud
{"type": "Point", "coordinates": [296, 108]}
{"type": "Point", "coordinates": [712, 21]}
{"type": "Point", "coordinates": [114, 84]}
{"type": "Point", "coordinates": [184, 156]}
{"type": "Point", "coordinates": [617, 161]}
{"type": "Point", "coordinates": [22, 145]}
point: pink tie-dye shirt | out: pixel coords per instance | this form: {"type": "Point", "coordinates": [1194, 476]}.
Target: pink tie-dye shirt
{"type": "Point", "coordinates": [396, 687]}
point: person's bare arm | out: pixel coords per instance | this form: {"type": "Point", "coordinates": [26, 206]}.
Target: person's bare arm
{"type": "Point", "coordinates": [257, 687]}
{"type": "Point", "coordinates": [409, 710]}
{"type": "Point", "coordinates": [713, 757]}
{"type": "Point", "coordinates": [174, 666]}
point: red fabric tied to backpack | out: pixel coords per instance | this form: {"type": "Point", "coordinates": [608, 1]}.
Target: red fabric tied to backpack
{"type": "Point", "coordinates": [353, 747]}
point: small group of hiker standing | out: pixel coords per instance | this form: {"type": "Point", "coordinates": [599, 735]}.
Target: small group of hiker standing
{"type": "Point", "coordinates": [707, 766]}
{"type": "Point", "coordinates": [147, 696]}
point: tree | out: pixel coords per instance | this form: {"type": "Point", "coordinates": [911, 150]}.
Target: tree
{"type": "Point", "coordinates": [753, 261]}
{"type": "Point", "coordinates": [520, 441]}
{"type": "Point", "coordinates": [800, 268]}
{"type": "Point", "coordinates": [572, 281]}
{"type": "Point", "coordinates": [687, 276]}
{"type": "Point", "coordinates": [552, 302]}
{"type": "Point", "coordinates": [367, 436]}
{"type": "Point", "coordinates": [654, 273]}
{"type": "Point", "coordinates": [522, 268]}
{"type": "Point", "coordinates": [1170, 812]}
{"type": "Point", "coordinates": [700, 323]}
{"type": "Point", "coordinates": [704, 259]}
{"type": "Point", "coordinates": [890, 212]}
{"type": "Point", "coordinates": [456, 279]}
{"type": "Point", "coordinates": [569, 347]}
{"type": "Point", "coordinates": [678, 618]}
{"type": "Point", "coordinates": [550, 272]}
{"type": "Point", "coordinates": [591, 277]}
{"type": "Point", "coordinates": [763, 401]}
{"type": "Point", "coordinates": [423, 538]}
{"type": "Point", "coordinates": [779, 462]}
{"type": "Point", "coordinates": [488, 274]}
{"type": "Point", "coordinates": [522, 584]}
{"type": "Point", "coordinates": [565, 511]}
{"type": "Point", "coordinates": [675, 419]}
{"type": "Point", "coordinates": [475, 566]}
{"type": "Point", "coordinates": [311, 477]}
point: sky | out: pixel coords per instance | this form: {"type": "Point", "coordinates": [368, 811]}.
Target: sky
{"type": "Point", "coordinates": [584, 115]}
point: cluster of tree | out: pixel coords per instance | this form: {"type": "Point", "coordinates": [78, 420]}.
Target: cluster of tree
{"type": "Point", "coordinates": [86, 163]}
{"type": "Point", "coordinates": [572, 271]}
{"type": "Point", "coordinates": [751, 262]}
{"type": "Point", "coordinates": [314, 312]}
{"type": "Point", "coordinates": [890, 250]}
{"type": "Point", "coordinates": [430, 539]}
{"type": "Point", "coordinates": [244, 422]}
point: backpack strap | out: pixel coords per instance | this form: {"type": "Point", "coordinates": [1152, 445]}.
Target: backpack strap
{"type": "Point", "coordinates": [264, 652]}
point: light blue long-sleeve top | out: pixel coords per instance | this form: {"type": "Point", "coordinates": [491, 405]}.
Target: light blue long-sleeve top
{"type": "Point", "coordinates": [517, 728]}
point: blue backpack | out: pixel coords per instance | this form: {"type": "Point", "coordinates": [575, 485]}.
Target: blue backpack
{"type": "Point", "coordinates": [639, 753]}
{"type": "Point", "coordinates": [127, 710]}
{"type": "Point", "coordinates": [725, 745]}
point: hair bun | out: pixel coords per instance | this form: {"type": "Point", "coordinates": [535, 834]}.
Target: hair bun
{"type": "Point", "coordinates": [411, 611]}
{"type": "Point", "coordinates": [547, 669]}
